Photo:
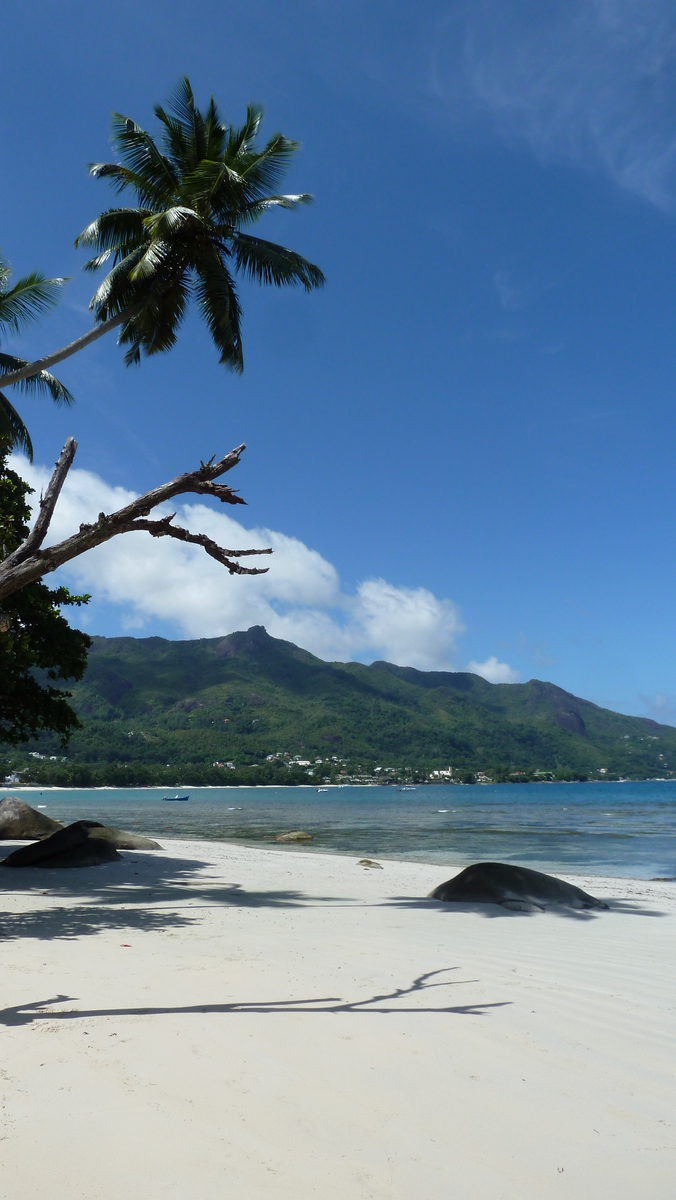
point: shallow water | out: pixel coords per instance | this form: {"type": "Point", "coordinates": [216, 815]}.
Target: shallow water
{"type": "Point", "coordinates": [626, 829]}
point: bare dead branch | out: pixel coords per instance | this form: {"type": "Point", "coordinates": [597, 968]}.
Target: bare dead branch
{"type": "Point", "coordinates": [164, 528]}
{"type": "Point", "coordinates": [39, 531]}
{"type": "Point", "coordinates": [29, 562]}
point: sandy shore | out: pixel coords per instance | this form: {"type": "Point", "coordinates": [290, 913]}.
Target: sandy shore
{"type": "Point", "coordinates": [216, 1021]}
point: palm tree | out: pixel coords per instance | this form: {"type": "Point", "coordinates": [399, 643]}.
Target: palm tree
{"type": "Point", "coordinates": [197, 196]}
{"type": "Point", "coordinates": [26, 301]}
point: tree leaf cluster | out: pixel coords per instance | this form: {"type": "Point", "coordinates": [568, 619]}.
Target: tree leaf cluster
{"type": "Point", "coordinates": [34, 635]}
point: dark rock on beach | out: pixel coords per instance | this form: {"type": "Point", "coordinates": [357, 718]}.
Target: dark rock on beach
{"type": "Point", "coordinates": [19, 822]}
{"type": "Point", "coordinates": [513, 887]}
{"type": "Point", "coordinates": [120, 838]}
{"type": "Point", "coordinates": [75, 846]}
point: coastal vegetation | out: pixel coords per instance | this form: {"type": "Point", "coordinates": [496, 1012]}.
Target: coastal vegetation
{"type": "Point", "coordinates": [34, 634]}
{"type": "Point", "coordinates": [249, 708]}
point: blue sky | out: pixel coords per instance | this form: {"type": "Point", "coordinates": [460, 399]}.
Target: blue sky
{"type": "Point", "coordinates": [465, 445]}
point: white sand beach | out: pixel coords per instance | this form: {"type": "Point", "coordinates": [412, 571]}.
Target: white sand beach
{"type": "Point", "coordinates": [218, 1021]}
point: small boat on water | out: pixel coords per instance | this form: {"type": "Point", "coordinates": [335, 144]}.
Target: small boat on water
{"type": "Point", "coordinates": [406, 789]}
{"type": "Point", "coordinates": [174, 799]}
{"type": "Point", "coordinates": [322, 789]}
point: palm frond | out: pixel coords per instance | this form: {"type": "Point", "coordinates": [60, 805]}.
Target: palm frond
{"type": "Point", "coordinates": [249, 213]}
{"type": "Point", "coordinates": [140, 154]}
{"type": "Point", "coordinates": [116, 234]}
{"type": "Point", "coordinates": [219, 305]}
{"type": "Point", "coordinates": [190, 136]}
{"type": "Point", "coordinates": [154, 329]}
{"type": "Point", "coordinates": [12, 428]}
{"type": "Point", "coordinates": [214, 185]}
{"type": "Point", "coordinates": [115, 293]}
{"type": "Point", "coordinates": [266, 262]}
{"type": "Point", "coordinates": [154, 260]}
{"type": "Point", "coordinates": [264, 171]}
{"type": "Point", "coordinates": [43, 382]}
{"type": "Point", "coordinates": [115, 227]}
{"type": "Point", "coordinates": [189, 117]}
{"type": "Point", "coordinates": [241, 140]}
{"type": "Point", "coordinates": [216, 132]}
{"type": "Point", "coordinates": [31, 296]}
{"type": "Point", "coordinates": [147, 192]}
{"type": "Point", "coordinates": [175, 142]}
{"type": "Point", "coordinates": [171, 221]}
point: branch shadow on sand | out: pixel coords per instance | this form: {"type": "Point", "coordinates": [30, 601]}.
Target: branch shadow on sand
{"type": "Point", "coordinates": [385, 1003]}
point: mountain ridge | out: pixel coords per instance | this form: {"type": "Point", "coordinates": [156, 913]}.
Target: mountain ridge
{"type": "Point", "coordinates": [150, 704]}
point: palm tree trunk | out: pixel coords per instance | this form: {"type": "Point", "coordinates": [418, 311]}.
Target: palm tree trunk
{"type": "Point", "coordinates": [43, 364]}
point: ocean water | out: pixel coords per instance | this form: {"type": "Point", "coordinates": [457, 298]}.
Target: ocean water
{"type": "Point", "coordinates": [627, 829]}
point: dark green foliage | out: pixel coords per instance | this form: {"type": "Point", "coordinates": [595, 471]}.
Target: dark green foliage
{"type": "Point", "coordinates": [197, 193]}
{"type": "Point", "coordinates": [34, 634]}
{"type": "Point", "coordinates": [146, 703]}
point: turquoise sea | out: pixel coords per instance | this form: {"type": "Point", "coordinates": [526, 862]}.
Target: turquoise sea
{"type": "Point", "coordinates": [626, 829]}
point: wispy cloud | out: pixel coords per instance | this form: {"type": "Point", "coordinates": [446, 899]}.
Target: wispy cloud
{"type": "Point", "coordinates": [588, 82]}
{"type": "Point", "coordinates": [300, 599]}
{"type": "Point", "coordinates": [537, 653]}
{"type": "Point", "coordinates": [661, 707]}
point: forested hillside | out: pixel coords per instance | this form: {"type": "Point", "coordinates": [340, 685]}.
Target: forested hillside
{"type": "Point", "coordinates": [162, 710]}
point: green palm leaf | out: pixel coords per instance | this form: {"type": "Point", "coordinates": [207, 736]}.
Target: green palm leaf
{"type": "Point", "coordinates": [266, 262]}
{"type": "Point", "coordinates": [43, 382]}
{"type": "Point", "coordinates": [26, 301]}
{"type": "Point", "coordinates": [140, 154]}
{"type": "Point", "coordinates": [12, 428]}
{"type": "Point", "coordinates": [240, 140]}
{"type": "Point", "coordinates": [114, 229]}
{"type": "Point", "coordinates": [30, 298]}
{"type": "Point", "coordinates": [219, 305]}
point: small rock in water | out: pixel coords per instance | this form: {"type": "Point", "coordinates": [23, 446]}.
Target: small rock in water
{"type": "Point", "coordinates": [296, 835]}
{"type": "Point", "coordinates": [369, 862]}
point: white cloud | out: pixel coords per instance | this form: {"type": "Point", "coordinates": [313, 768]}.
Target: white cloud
{"type": "Point", "coordinates": [494, 671]}
{"type": "Point", "coordinates": [300, 599]}
{"type": "Point", "coordinates": [589, 82]}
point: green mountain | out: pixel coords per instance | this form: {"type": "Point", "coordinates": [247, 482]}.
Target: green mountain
{"type": "Point", "coordinates": [160, 710]}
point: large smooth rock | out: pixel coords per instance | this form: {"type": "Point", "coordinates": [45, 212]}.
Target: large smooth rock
{"type": "Point", "coordinates": [296, 835]}
{"type": "Point", "coordinates": [120, 838]}
{"type": "Point", "coordinates": [19, 822]}
{"type": "Point", "coordinates": [512, 887]}
{"type": "Point", "coordinates": [75, 846]}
